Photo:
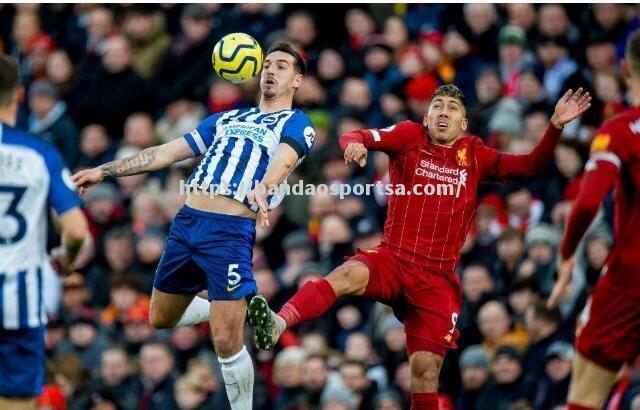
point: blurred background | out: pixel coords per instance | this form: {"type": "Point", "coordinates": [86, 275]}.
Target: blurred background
{"type": "Point", "coordinates": [103, 82]}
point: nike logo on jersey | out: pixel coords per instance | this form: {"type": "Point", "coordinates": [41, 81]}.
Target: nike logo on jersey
{"type": "Point", "coordinates": [232, 288]}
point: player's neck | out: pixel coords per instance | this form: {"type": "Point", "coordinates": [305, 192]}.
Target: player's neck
{"type": "Point", "coordinates": [8, 116]}
{"type": "Point", "coordinates": [274, 105]}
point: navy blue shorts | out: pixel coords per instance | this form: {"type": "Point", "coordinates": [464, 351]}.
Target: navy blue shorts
{"type": "Point", "coordinates": [208, 251]}
{"type": "Point", "coordinates": [21, 362]}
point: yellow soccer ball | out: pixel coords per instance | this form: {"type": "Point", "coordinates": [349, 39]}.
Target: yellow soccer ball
{"type": "Point", "coordinates": [237, 57]}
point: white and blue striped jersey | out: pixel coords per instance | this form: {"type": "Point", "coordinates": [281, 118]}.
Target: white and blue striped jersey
{"type": "Point", "coordinates": [32, 176]}
{"type": "Point", "coordinates": [239, 145]}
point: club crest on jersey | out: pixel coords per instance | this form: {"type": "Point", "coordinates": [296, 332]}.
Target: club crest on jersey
{"type": "Point", "coordinates": [461, 157]}
{"type": "Point", "coordinates": [600, 142]}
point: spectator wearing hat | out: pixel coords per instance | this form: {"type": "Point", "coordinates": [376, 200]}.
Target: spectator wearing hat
{"type": "Point", "coordinates": [509, 382]}
{"type": "Point", "coordinates": [474, 373]}
{"type": "Point", "coordinates": [85, 340]}
{"type": "Point", "coordinates": [553, 386]}
{"type": "Point", "coordinates": [50, 120]}
{"type": "Point", "coordinates": [542, 242]}
{"type": "Point", "coordinates": [514, 57]}
{"type": "Point", "coordinates": [187, 64]}
{"type": "Point", "coordinates": [387, 400]}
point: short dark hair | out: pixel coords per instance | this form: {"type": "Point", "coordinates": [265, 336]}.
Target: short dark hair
{"type": "Point", "coordinates": [449, 90]}
{"type": "Point", "coordinates": [353, 362]}
{"type": "Point", "coordinates": [300, 65]}
{"type": "Point", "coordinates": [549, 315]}
{"type": "Point", "coordinates": [632, 51]}
{"type": "Point", "coordinates": [9, 79]}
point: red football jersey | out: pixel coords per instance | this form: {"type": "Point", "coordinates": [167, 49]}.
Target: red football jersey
{"type": "Point", "coordinates": [614, 163]}
{"type": "Point", "coordinates": [430, 229]}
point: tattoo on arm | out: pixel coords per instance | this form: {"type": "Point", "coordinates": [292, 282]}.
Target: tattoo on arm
{"type": "Point", "coordinates": [139, 163]}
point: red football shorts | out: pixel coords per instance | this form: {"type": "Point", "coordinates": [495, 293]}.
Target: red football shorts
{"type": "Point", "coordinates": [426, 301]}
{"type": "Point", "coordinates": [608, 331]}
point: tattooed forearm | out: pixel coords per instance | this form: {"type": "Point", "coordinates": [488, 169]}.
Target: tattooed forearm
{"type": "Point", "coordinates": [139, 163]}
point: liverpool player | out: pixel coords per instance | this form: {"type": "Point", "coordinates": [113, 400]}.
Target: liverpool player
{"type": "Point", "coordinates": [413, 269]}
{"type": "Point", "coordinates": [609, 328]}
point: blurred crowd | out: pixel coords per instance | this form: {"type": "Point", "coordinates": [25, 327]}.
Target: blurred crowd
{"type": "Point", "coordinates": [105, 81]}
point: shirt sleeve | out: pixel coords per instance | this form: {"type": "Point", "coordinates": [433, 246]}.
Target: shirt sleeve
{"type": "Point", "coordinates": [499, 165]}
{"type": "Point", "coordinates": [299, 134]}
{"type": "Point", "coordinates": [62, 192]}
{"type": "Point", "coordinates": [203, 135]}
{"type": "Point", "coordinates": [394, 139]}
{"type": "Point", "coordinates": [601, 173]}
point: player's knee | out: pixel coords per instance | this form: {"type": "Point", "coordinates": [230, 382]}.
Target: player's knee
{"type": "Point", "coordinates": [157, 319]}
{"type": "Point", "coordinates": [224, 342]}
{"type": "Point", "coordinates": [425, 370]}
{"type": "Point", "coordinates": [350, 278]}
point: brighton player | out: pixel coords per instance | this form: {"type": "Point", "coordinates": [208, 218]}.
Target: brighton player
{"type": "Point", "coordinates": [609, 330]}
{"type": "Point", "coordinates": [210, 244]}
{"type": "Point", "coordinates": [413, 269]}
{"type": "Point", "coordinates": [32, 178]}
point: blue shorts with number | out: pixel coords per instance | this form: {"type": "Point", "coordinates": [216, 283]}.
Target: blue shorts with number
{"type": "Point", "coordinates": [208, 251]}
{"type": "Point", "coordinates": [22, 362]}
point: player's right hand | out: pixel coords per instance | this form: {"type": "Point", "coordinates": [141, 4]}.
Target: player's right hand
{"type": "Point", "coordinates": [87, 178]}
{"type": "Point", "coordinates": [565, 267]}
{"type": "Point", "coordinates": [356, 153]}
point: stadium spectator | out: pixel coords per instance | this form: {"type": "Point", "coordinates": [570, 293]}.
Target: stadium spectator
{"type": "Point", "coordinates": [154, 385]}
{"type": "Point", "coordinates": [50, 120]}
{"type": "Point", "coordinates": [474, 373]}
{"type": "Point", "coordinates": [496, 329]}
{"type": "Point", "coordinates": [115, 378]}
{"type": "Point", "coordinates": [145, 28]}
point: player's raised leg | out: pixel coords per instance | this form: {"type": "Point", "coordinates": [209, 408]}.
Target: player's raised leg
{"type": "Point", "coordinates": [310, 302]}
{"type": "Point", "coordinates": [227, 325]}
{"type": "Point", "coordinates": [174, 310]}
{"type": "Point", "coordinates": [425, 370]}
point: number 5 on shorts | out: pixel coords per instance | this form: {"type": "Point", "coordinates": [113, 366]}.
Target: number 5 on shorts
{"type": "Point", "coordinates": [454, 320]}
{"type": "Point", "coordinates": [233, 277]}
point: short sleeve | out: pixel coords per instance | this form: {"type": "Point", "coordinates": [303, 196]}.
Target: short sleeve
{"type": "Point", "coordinates": [298, 133]}
{"type": "Point", "coordinates": [608, 145]}
{"type": "Point", "coordinates": [62, 191]}
{"type": "Point", "coordinates": [203, 135]}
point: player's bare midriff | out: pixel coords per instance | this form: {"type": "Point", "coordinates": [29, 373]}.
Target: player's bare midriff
{"type": "Point", "coordinates": [219, 205]}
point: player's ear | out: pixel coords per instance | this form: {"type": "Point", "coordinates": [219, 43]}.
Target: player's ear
{"type": "Point", "coordinates": [425, 122]}
{"type": "Point", "coordinates": [626, 70]}
{"type": "Point", "coordinates": [297, 81]}
{"type": "Point", "coordinates": [20, 95]}
{"type": "Point", "coordinates": [464, 124]}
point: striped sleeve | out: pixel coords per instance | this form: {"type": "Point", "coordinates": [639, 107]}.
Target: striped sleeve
{"type": "Point", "coordinates": [203, 135]}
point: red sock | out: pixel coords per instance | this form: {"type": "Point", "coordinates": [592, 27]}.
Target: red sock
{"type": "Point", "coordinates": [571, 406]}
{"type": "Point", "coordinates": [310, 302]}
{"type": "Point", "coordinates": [424, 401]}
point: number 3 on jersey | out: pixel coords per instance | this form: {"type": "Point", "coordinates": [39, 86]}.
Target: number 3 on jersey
{"type": "Point", "coordinates": [233, 277]}
{"type": "Point", "coordinates": [11, 211]}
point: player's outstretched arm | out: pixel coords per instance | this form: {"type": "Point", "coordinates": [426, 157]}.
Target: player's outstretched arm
{"type": "Point", "coordinates": [391, 140]}
{"type": "Point", "coordinates": [147, 160]}
{"type": "Point", "coordinates": [569, 107]}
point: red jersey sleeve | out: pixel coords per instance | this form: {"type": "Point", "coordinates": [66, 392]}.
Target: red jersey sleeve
{"type": "Point", "coordinates": [499, 165]}
{"type": "Point", "coordinates": [601, 173]}
{"type": "Point", "coordinates": [394, 139]}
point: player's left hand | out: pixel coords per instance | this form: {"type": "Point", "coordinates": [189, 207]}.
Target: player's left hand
{"type": "Point", "coordinates": [565, 267]}
{"type": "Point", "coordinates": [259, 196]}
{"type": "Point", "coordinates": [570, 106]}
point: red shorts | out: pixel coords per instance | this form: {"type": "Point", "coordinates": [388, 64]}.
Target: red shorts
{"type": "Point", "coordinates": [426, 301]}
{"type": "Point", "coordinates": [608, 331]}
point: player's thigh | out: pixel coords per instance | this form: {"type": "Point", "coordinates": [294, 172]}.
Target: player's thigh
{"type": "Point", "coordinates": [226, 319]}
{"type": "Point", "coordinates": [590, 383]}
{"type": "Point", "coordinates": [9, 403]}
{"type": "Point", "coordinates": [371, 273]}
{"type": "Point", "coordinates": [609, 326]}
{"type": "Point", "coordinates": [166, 309]}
